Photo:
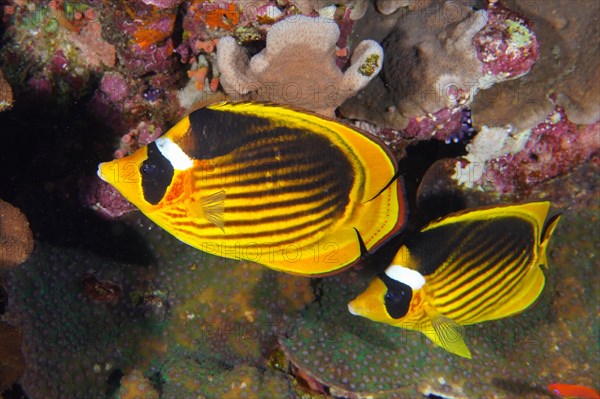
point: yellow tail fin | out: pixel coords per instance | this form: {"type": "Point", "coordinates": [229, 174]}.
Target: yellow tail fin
{"type": "Point", "coordinates": [546, 234]}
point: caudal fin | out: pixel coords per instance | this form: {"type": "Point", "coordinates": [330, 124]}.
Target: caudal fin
{"type": "Point", "coordinates": [546, 234]}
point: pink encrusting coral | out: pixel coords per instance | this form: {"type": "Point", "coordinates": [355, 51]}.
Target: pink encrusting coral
{"type": "Point", "coordinates": [150, 47]}
{"type": "Point", "coordinates": [546, 123]}
{"type": "Point", "coordinates": [60, 42]}
{"type": "Point", "coordinates": [554, 148]}
{"type": "Point", "coordinates": [506, 46]}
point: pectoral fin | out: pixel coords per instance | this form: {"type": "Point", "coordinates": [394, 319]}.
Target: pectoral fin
{"type": "Point", "coordinates": [447, 333]}
{"type": "Point", "coordinates": [213, 208]}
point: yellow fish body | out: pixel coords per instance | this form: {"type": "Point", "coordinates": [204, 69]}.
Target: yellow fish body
{"type": "Point", "coordinates": [466, 268]}
{"type": "Point", "coordinates": [291, 190]}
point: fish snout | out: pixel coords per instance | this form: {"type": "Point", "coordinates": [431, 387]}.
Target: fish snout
{"type": "Point", "coordinates": [352, 310]}
{"type": "Point", "coordinates": [361, 306]}
{"type": "Point", "coordinates": [99, 172]}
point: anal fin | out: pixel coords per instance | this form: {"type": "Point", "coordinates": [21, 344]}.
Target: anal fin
{"type": "Point", "coordinates": [364, 252]}
{"type": "Point", "coordinates": [446, 333]}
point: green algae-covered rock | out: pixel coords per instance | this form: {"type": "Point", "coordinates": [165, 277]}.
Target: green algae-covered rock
{"type": "Point", "coordinates": [99, 300]}
{"type": "Point", "coordinates": [89, 318]}
{"type": "Point", "coordinates": [185, 378]}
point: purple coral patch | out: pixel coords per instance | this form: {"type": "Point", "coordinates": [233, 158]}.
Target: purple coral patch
{"type": "Point", "coordinates": [448, 124]}
{"type": "Point", "coordinates": [152, 94]}
{"type": "Point", "coordinates": [104, 198]}
{"type": "Point", "coordinates": [163, 3]}
{"type": "Point", "coordinates": [114, 86]}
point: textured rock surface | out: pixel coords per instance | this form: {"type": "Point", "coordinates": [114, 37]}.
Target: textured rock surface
{"type": "Point", "coordinates": [546, 123]}
{"type": "Point", "coordinates": [507, 162]}
{"type": "Point", "coordinates": [431, 64]}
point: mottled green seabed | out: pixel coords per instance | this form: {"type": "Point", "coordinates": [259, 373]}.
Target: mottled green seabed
{"type": "Point", "coordinates": [199, 326]}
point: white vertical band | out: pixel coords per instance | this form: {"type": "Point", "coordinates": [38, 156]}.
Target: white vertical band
{"type": "Point", "coordinates": [179, 159]}
{"type": "Point", "coordinates": [410, 277]}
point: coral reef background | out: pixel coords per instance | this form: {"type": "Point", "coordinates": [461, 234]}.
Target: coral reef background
{"type": "Point", "coordinates": [483, 102]}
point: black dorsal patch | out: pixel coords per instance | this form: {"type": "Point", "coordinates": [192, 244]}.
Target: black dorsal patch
{"type": "Point", "coordinates": [216, 133]}
{"type": "Point", "coordinates": [468, 239]}
{"type": "Point", "coordinates": [157, 174]}
{"type": "Point", "coordinates": [397, 297]}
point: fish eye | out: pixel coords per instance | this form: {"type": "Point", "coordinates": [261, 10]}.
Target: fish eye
{"type": "Point", "coordinates": [149, 169]}
{"type": "Point", "coordinates": [397, 300]}
{"type": "Point", "coordinates": [394, 297]}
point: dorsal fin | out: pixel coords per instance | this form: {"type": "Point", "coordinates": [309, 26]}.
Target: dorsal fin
{"type": "Point", "coordinates": [396, 176]}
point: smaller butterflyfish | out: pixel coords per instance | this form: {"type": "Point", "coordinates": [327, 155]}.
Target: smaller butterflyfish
{"type": "Point", "coordinates": [289, 189]}
{"type": "Point", "coordinates": [466, 268]}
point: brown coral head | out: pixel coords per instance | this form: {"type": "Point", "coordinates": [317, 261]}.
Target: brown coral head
{"type": "Point", "coordinates": [6, 94]}
{"type": "Point", "coordinates": [16, 238]}
{"type": "Point", "coordinates": [12, 363]}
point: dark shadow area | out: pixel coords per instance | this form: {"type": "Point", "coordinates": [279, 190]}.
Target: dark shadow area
{"type": "Point", "coordinates": [3, 300]}
{"type": "Point", "coordinates": [423, 205]}
{"type": "Point", "coordinates": [418, 160]}
{"type": "Point", "coordinates": [47, 149]}
{"type": "Point", "coordinates": [114, 383]}
{"type": "Point", "coordinates": [14, 392]}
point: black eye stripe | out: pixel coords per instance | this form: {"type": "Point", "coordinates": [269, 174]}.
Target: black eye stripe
{"type": "Point", "coordinates": [397, 297]}
{"type": "Point", "coordinates": [157, 173]}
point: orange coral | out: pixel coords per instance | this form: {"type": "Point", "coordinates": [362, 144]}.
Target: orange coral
{"type": "Point", "coordinates": [226, 18]}
{"type": "Point", "coordinates": [198, 76]}
{"type": "Point", "coordinates": [148, 35]}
